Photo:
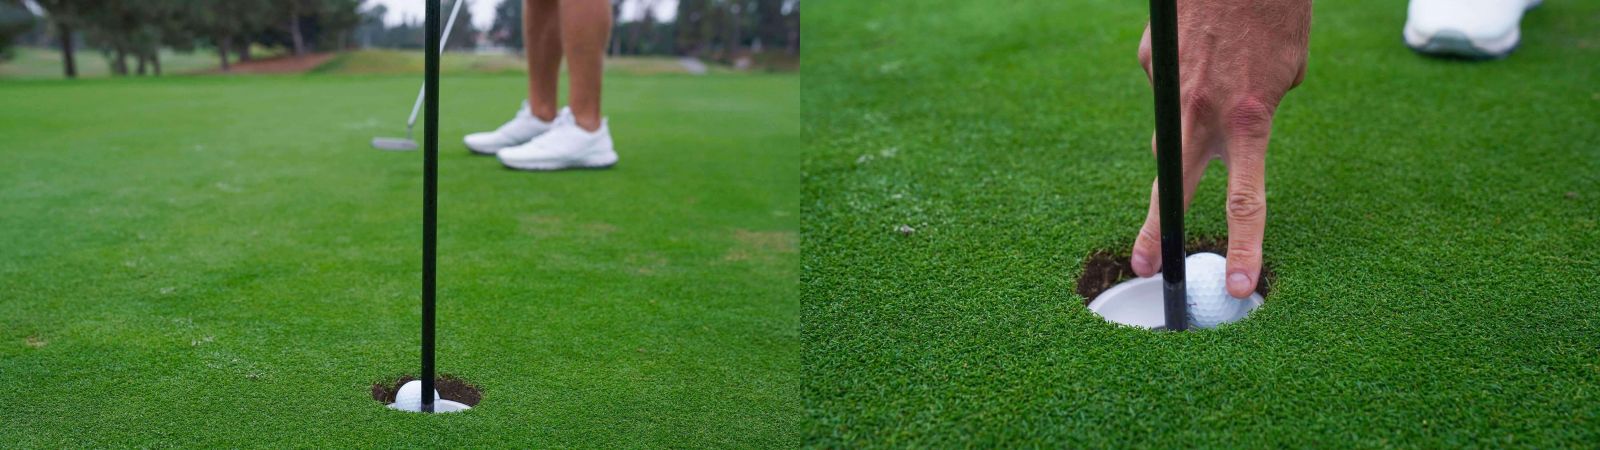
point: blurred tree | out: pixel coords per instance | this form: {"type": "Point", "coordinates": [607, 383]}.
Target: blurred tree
{"type": "Point", "coordinates": [335, 19]}
{"type": "Point", "coordinates": [462, 35]}
{"type": "Point", "coordinates": [296, 36]}
{"type": "Point", "coordinates": [635, 34]}
{"type": "Point", "coordinates": [733, 23]}
{"type": "Point", "coordinates": [733, 30]}
{"type": "Point", "coordinates": [715, 29]}
{"type": "Point", "coordinates": [791, 26]}
{"type": "Point", "coordinates": [15, 19]}
{"type": "Point", "coordinates": [507, 27]}
{"type": "Point", "coordinates": [773, 27]}
{"type": "Point", "coordinates": [254, 18]}
{"type": "Point", "coordinates": [66, 16]}
{"type": "Point", "coordinates": [405, 35]}
{"type": "Point", "coordinates": [695, 21]}
{"type": "Point", "coordinates": [410, 34]}
{"type": "Point", "coordinates": [222, 23]}
{"type": "Point", "coordinates": [370, 29]}
{"type": "Point", "coordinates": [111, 26]}
{"type": "Point", "coordinates": [166, 25]}
{"type": "Point", "coordinates": [138, 29]}
{"type": "Point", "coordinates": [306, 25]}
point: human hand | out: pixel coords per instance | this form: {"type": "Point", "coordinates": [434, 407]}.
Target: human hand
{"type": "Point", "coordinates": [1237, 59]}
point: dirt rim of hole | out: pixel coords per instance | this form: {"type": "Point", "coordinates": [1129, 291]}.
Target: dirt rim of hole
{"type": "Point", "coordinates": [1105, 269]}
{"type": "Point", "coordinates": [450, 388]}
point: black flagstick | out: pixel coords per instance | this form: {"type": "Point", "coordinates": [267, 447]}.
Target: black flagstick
{"type": "Point", "coordinates": [1169, 156]}
{"type": "Point", "coordinates": [430, 196]}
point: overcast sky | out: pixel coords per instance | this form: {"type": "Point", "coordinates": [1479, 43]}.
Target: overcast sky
{"type": "Point", "coordinates": [483, 10]}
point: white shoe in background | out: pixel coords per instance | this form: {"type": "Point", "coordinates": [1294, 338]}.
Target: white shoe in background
{"type": "Point", "coordinates": [1482, 29]}
{"type": "Point", "coordinates": [565, 146]}
{"type": "Point", "coordinates": [519, 130]}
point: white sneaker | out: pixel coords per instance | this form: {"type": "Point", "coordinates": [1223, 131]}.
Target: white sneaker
{"type": "Point", "coordinates": [565, 146]}
{"type": "Point", "coordinates": [1482, 29]}
{"type": "Point", "coordinates": [519, 130]}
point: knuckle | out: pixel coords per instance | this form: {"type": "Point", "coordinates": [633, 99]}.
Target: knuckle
{"type": "Point", "coordinates": [1250, 115]}
{"type": "Point", "coordinates": [1195, 102]}
{"type": "Point", "coordinates": [1240, 158]}
{"type": "Point", "coordinates": [1148, 235]}
{"type": "Point", "coordinates": [1246, 204]}
{"type": "Point", "coordinates": [1242, 254]}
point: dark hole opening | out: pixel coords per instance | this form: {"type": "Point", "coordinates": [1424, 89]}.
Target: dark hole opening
{"type": "Point", "coordinates": [1105, 269]}
{"type": "Point", "coordinates": [449, 387]}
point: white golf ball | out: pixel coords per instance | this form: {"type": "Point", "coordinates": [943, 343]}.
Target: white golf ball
{"type": "Point", "coordinates": [1207, 291]}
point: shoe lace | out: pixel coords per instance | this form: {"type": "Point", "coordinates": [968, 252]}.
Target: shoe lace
{"type": "Point", "coordinates": [562, 117]}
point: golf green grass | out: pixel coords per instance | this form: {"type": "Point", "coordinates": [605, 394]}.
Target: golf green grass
{"type": "Point", "coordinates": [224, 262]}
{"type": "Point", "coordinates": [1432, 224]}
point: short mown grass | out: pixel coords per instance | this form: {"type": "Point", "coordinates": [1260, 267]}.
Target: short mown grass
{"type": "Point", "coordinates": [1432, 225]}
{"type": "Point", "coordinates": [402, 61]}
{"type": "Point", "coordinates": [222, 262]}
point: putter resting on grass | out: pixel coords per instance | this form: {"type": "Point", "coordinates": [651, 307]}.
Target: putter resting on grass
{"type": "Point", "coordinates": [406, 144]}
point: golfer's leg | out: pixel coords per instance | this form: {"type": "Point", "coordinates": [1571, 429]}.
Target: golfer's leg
{"type": "Point", "coordinates": [541, 36]}
{"type": "Point", "coordinates": [541, 33]}
{"type": "Point", "coordinates": [585, 29]}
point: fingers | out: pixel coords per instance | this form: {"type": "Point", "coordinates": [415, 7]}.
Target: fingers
{"type": "Point", "coordinates": [1300, 76]}
{"type": "Point", "coordinates": [1249, 127]}
{"type": "Point", "coordinates": [1144, 54]}
{"type": "Point", "coordinates": [1146, 258]}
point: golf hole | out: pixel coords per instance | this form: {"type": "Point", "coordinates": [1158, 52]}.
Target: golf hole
{"type": "Point", "coordinates": [1111, 290]}
{"type": "Point", "coordinates": [448, 386]}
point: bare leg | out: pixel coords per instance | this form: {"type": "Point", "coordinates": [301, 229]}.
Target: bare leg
{"type": "Point", "coordinates": [541, 39]}
{"type": "Point", "coordinates": [585, 28]}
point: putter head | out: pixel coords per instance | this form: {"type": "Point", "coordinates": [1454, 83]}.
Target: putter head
{"type": "Point", "coordinates": [393, 144]}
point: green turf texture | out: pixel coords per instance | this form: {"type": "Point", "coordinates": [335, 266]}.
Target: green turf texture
{"type": "Point", "coordinates": [224, 262]}
{"type": "Point", "coordinates": [1432, 224]}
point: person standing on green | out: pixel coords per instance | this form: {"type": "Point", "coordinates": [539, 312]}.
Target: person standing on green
{"type": "Point", "coordinates": [542, 135]}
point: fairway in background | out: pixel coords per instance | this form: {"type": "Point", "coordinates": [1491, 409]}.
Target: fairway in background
{"type": "Point", "coordinates": [399, 62]}
{"type": "Point", "coordinates": [43, 63]}
{"type": "Point", "coordinates": [38, 62]}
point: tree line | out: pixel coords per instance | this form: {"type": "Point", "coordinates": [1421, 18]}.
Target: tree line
{"type": "Point", "coordinates": [721, 30]}
{"type": "Point", "coordinates": [131, 33]}
{"type": "Point", "coordinates": [374, 33]}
